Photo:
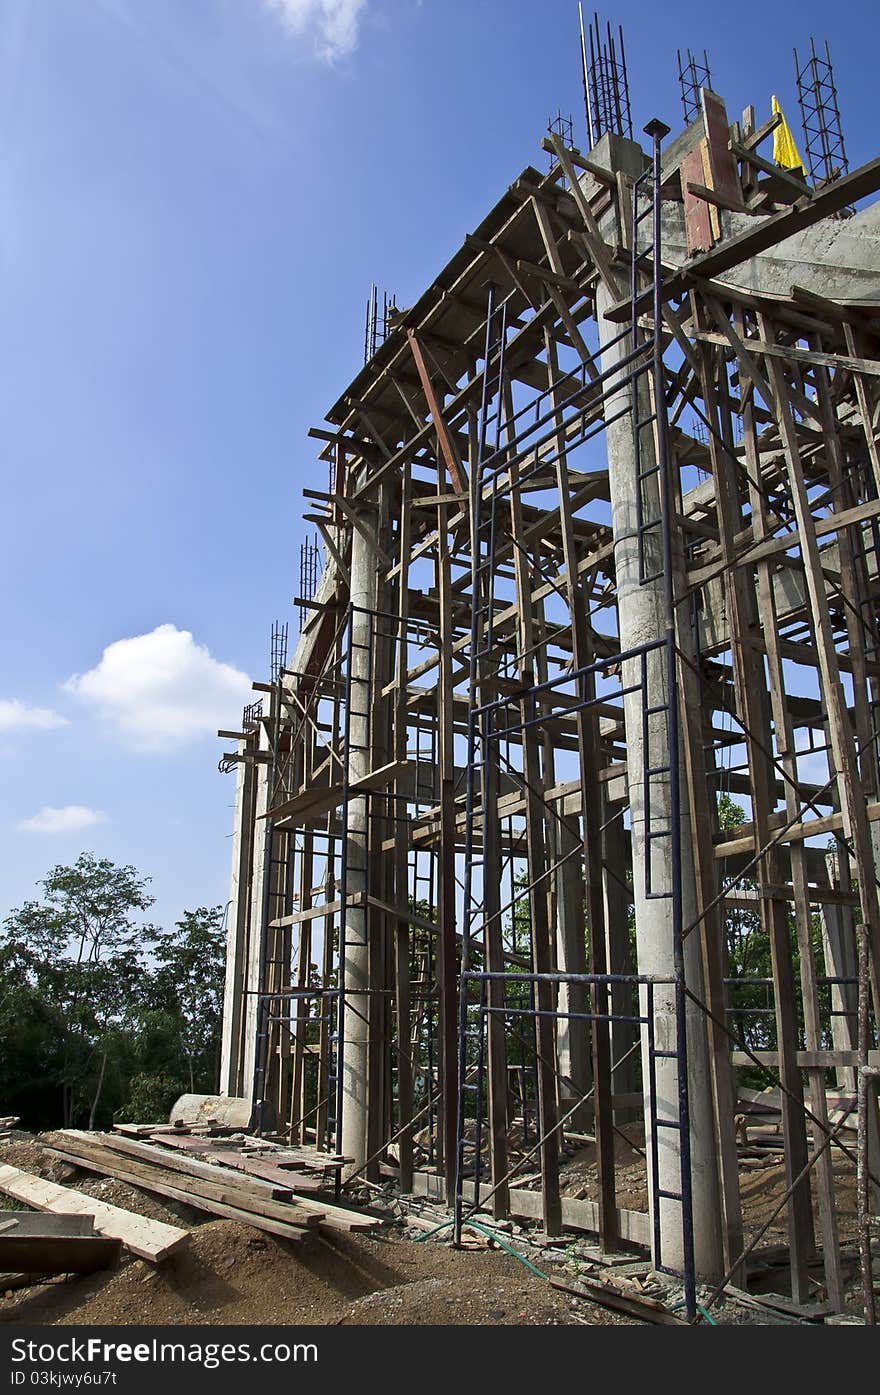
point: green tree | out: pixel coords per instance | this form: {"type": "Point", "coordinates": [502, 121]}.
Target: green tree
{"type": "Point", "coordinates": [102, 1015]}
{"type": "Point", "coordinates": [188, 987]}
{"type": "Point", "coordinates": [82, 948]}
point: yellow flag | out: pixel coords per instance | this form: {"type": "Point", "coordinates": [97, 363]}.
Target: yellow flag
{"type": "Point", "coordinates": [785, 152]}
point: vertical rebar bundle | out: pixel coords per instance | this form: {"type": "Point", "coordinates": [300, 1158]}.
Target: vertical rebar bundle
{"type": "Point", "coordinates": [562, 126]}
{"type": "Point", "coordinates": [606, 83]}
{"type": "Point", "coordinates": [309, 567]}
{"type": "Point", "coordinates": [251, 714]}
{"type": "Point", "coordinates": [820, 116]}
{"type": "Point", "coordinates": [693, 76]}
{"type": "Point", "coordinates": [377, 323]}
{"type": "Point", "coordinates": [278, 649]}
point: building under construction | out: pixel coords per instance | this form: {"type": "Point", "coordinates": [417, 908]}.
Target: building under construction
{"type": "Point", "coordinates": [589, 682]}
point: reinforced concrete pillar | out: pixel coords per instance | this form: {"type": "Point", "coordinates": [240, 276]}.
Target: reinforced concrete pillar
{"type": "Point", "coordinates": [255, 914]}
{"type": "Point", "coordinates": [355, 967]}
{"type": "Point", "coordinates": [572, 1033]}
{"type": "Point", "coordinates": [642, 620]}
{"type": "Point", "coordinates": [232, 1079]}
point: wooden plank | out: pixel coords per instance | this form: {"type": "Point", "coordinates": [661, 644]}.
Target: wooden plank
{"type": "Point", "coordinates": [787, 177]}
{"type": "Point", "coordinates": [701, 191]}
{"type": "Point", "coordinates": [191, 1167]}
{"type": "Point", "coordinates": [643, 1308]}
{"type": "Point", "coordinates": [536, 852]}
{"type": "Point", "coordinates": [326, 908]}
{"type": "Point", "coordinates": [785, 737]}
{"type": "Point", "coordinates": [250, 1172]}
{"type": "Point", "coordinates": [139, 1130]}
{"type": "Point", "coordinates": [304, 1157]}
{"type": "Point", "coordinates": [792, 353]}
{"type": "Point", "coordinates": [592, 236]}
{"type": "Point", "coordinates": [264, 1168]}
{"type": "Point", "coordinates": [772, 546]}
{"type": "Point", "coordinates": [753, 707]}
{"type": "Point", "coordinates": [185, 1142]}
{"type": "Point", "coordinates": [722, 165]}
{"type": "Point", "coordinates": [447, 892]}
{"type": "Point", "coordinates": [294, 1230]}
{"type": "Point", "coordinates": [228, 1189]}
{"type": "Point", "coordinates": [697, 223]}
{"type": "Point", "coordinates": [151, 1240]}
{"type": "Point", "coordinates": [313, 802]}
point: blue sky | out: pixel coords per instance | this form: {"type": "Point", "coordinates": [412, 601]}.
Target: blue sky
{"type": "Point", "coordinates": [194, 198]}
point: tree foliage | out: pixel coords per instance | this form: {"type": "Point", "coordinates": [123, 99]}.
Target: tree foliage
{"type": "Point", "coordinates": [103, 1014]}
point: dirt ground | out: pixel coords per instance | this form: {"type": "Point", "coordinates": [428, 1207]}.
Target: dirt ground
{"type": "Point", "coordinates": [231, 1273]}
{"type": "Point", "coordinates": [762, 1184]}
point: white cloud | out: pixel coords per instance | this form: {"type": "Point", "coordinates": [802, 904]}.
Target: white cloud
{"type": "Point", "coordinates": [161, 689]}
{"type": "Point", "coordinates": [20, 716]}
{"type": "Point", "coordinates": [332, 24]}
{"type": "Point", "coordinates": [70, 819]}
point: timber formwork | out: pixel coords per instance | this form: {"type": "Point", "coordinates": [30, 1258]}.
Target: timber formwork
{"type": "Point", "coordinates": [601, 546]}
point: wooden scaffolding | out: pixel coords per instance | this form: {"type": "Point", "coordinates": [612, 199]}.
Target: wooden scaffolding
{"type": "Point", "coordinates": [601, 553]}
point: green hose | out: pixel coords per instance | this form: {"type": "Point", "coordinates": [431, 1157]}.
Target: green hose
{"type": "Point", "coordinates": [493, 1235]}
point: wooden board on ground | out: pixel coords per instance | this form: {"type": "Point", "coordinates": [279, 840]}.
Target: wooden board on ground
{"type": "Point", "coordinates": [308, 1158]}
{"type": "Point", "coordinates": [646, 1309]}
{"type": "Point", "coordinates": [286, 1229]}
{"type": "Point", "coordinates": [152, 1240]}
{"type": "Point", "coordinates": [190, 1167]}
{"type": "Point", "coordinates": [139, 1130]}
{"type": "Point", "coordinates": [263, 1168]}
{"type": "Point", "coordinates": [228, 1193]}
{"type": "Point", "coordinates": [185, 1142]}
{"type": "Point", "coordinates": [333, 1217]}
{"type": "Point", "coordinates": [227, 1190]}
{"type": "Point", "coordinates": [339, 1217]}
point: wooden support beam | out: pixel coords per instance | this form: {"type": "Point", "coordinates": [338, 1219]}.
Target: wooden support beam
{"type": "Point", "coordinates": [454, 466]}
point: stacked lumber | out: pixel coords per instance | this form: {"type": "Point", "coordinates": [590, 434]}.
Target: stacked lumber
{"type": "Point", "coordinates": [7, 1123]}
{"type": "Point", "coordinates": [268, 1204]}
{"type": "Point", "coordinates": [303, 1170]}
{"type": "Point", "coordinates": [151, 1240]}
{"type": "Point", "coordinates": [218, 1197]}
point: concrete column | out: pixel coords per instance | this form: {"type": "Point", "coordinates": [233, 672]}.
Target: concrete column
{"type": "Point", "coordinates": [255, 914]}
{"type": "Point", "coordinates": [641, 620]}
{"type": "Point", "coordinates": [572, 1034]}
{"type": "Point", "coordinates": [231, 1075]}
{"type": "Point", "coordinates": [356, 957]}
